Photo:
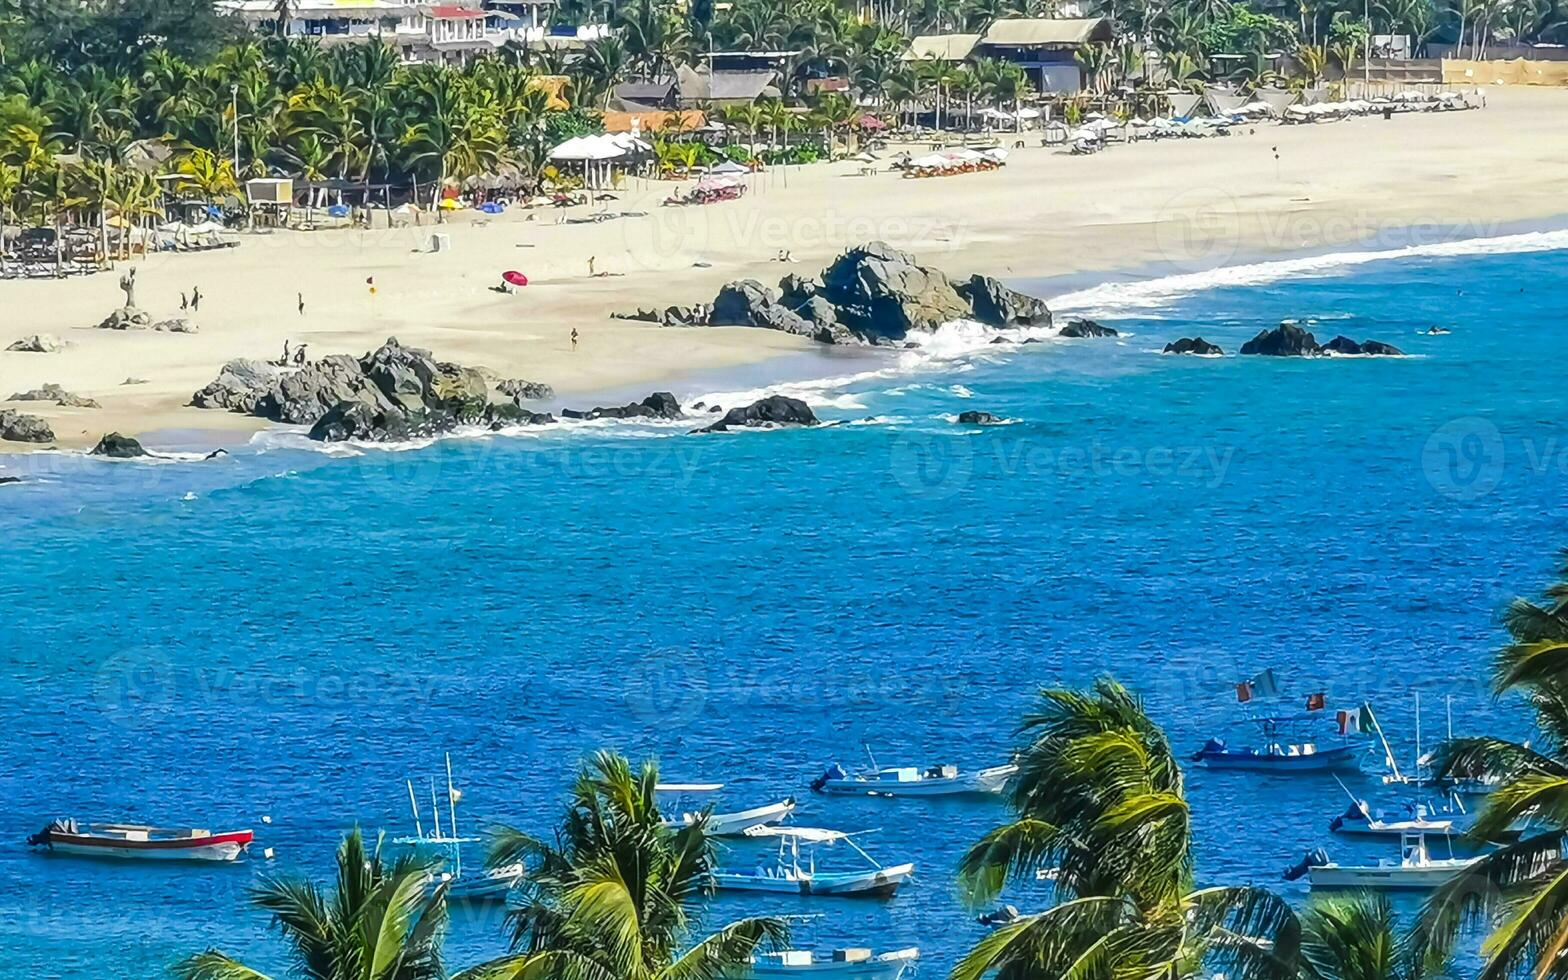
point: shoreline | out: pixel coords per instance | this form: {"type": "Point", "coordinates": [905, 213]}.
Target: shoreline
{"type": "Point", "coordinates": [1046, 221]}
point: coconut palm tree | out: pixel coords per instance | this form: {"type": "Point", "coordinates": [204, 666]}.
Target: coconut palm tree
{"type": "Point", "coordinates": [381, 922]}
{"type": "Point", "coordinates": [1352, 937]}
{"type": "Point", "coordinates": [1100, 809]}
{"type": "Point", "coordinates": [619, 894]}
{"type": "Point", "coordinates": [1521, 889]}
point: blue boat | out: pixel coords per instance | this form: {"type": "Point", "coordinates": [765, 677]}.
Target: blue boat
{"type": "Point", "coordinates": [1279, 753]}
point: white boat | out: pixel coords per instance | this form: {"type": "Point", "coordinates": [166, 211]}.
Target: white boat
{"type": "Point", "coordinates": [485, 885]}
{"type": "Point", "coordinates": [1415, 870]}
{"type": "Point", "coordinates": [938, 780]}
{"type": "Point", "coordinates": [732, 824]}
{"type": "Point", "coordinates": [1360, 821]}
{"type": "Point", "coordinates": [789, 875]}
{"type": "Point", "coordinates": [848, 964]}
{"type": "Point", "coordinates": [135, 841]}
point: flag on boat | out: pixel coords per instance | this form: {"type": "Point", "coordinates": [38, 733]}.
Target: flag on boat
{"type": "Point", "coordinates": [1261, 685]}
{"type": "Point", "coordinates": [1244, 692]}
{"type": "Point", "coordinates": [1317, 701]}
{"type": "Point", "coordinates": [1355, 722]}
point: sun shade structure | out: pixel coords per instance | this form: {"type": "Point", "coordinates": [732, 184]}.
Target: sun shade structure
{"type": "Point", "coordinates": [1039, 32]}
{"type": "Point", "coordinates": [941, 47]}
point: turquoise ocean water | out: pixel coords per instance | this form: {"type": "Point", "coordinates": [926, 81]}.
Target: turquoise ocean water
{"type": "Point", "coordinates": [292, 633]}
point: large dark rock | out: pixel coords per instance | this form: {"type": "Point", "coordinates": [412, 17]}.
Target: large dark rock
{"type": "Point", "coordinates": [1286, 340]}
{"type": "Point", "coordinates": [774, 410]}
{"type": "Point", "coordinates": [405, 375]}
{"type": "Point", "coordinates": [1078, 327]}
{"type": "Point", "coordinates": [1340, 345]}
{"type": "Point", "coordinates": [748, 303]}
{"type": "Point", "coordinates": [1193, 345]}
{"type": "Point", "coordinates": [116, 446]}
{"type": "Point", "coordinates": [19, 427]}
{"type": "Point", "coordinates": [38, 343]}
{"type": "Point", "coordinates": [304, 395]}
{"type": "Point", "coordinates": [979, 418]}
{"type": "Point", "coordinates": [659, 405]}
{"type": "Point", "coordinates": [881, 292]}
{"type": "Point", "coordinates": [361, 421]}
{"type": "Point", "coordinates": [507, 415]}
{"type": "Point", "coordinates": [239, 386]}
{"type": "Point", "coordinates": [994, 304]}
{"type": "Point", "coordinates": [1376, 348]}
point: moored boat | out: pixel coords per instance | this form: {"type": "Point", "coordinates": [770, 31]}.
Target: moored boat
{"type": "Point", "coordinates": [135, 841]}
{"type": "Point", "coordinates": [732, 824]}
{"type": "Point", "coordinates": [790, 874]}
{"type": "Point", "coordinates": [1284, 747]}
{"type": "Point", "coordinates": [484, 885]}
{"type": "Point", "coordinates": [849, 964]}
{"type": "Point", "coordinates": [938, 780]}
{"type": "Point", "coordinates": [1415, 870]}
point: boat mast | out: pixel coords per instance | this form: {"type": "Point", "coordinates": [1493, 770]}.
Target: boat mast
{"type": "Point", "coordinates": [451, 802]}
{"type": "Point", "coordinates": [870, 755]}
{"type": "Point", "coordinates": [1418, 734]}
{"type": "Point", "coordinates": [436, 807]}
{"type": "Point", "coordinates": [413, 804]}
{"type": "Point", "coordinates": [1388, 753]}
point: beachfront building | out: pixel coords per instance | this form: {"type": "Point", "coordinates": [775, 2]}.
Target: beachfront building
{"type": "Point", "coordinates": [1045, 48]}
{"type": "Point", "coordinates": [325, 21]}
{"type": "Point", "coordinates": [701, 86]}
{"type": "Point", "coordinates": [446, 33]}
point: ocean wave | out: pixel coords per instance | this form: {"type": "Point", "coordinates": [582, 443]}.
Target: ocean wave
{"type": "Point", "coordinates": [1110, 298]}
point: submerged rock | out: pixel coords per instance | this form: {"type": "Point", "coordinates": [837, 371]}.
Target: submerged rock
{"type": "Point", "coordinates": [117, 446]}
{"type": "Point", "coordinates": [1286, 340]}
{"type": "Point", "coordinates": [1079, 327]}
{"type": "Point", "coordinates": [20, 427]}
{"type": "Point", "coordinates": [979, 418]}
{"type": "Point", "coordinates": [1193, 345]}
{"type": "Point", "coordinates": [1376, 348]}
{"type": "Point", "coordinates": [507, 415]}
{"type": "Point", "coordinates": [659, 405]}
{"type": "Point", "coordinates": [772, 411]}
{"type": "Point", "coordinates": [1372, 348]}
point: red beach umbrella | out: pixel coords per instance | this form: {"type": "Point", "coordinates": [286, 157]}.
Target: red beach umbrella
{"type": "Point", "coordinates": [515, 278]}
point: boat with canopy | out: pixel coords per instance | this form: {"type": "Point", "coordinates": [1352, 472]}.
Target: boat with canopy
{"type": "Point", "coordinates": [794, 869]}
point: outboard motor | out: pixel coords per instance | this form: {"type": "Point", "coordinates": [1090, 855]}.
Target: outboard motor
{"type": "Point", "coordinates": [1355, 813]}
{"type": "Point", "coordinates": [1309, 860]}
{"type": "Point", "coordinates": [42, 838]}
{"type": "Point", "coordinates": [834, 772]}
{"type": "Point", "coordinates": [1212, 745]}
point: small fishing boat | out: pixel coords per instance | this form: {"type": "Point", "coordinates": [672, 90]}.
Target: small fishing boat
{"type": "Point", "coordinates": [1284, 746]}
{"type": "Point", "coordinates": [120, 840]}
{"type": "Point", "coordinates": [1415, 870]}
{"type": "Point", "coordinates": [732, 824]}
{"type": "Point", "coordinates": [1359, 821]}
{"type": "Point", "coordinates": [848, 964]}
{"type": "Point", "coordinates": [789, 874]}
{"type": "Point", "coordinates": [485, 885]}
{"type": "Point", "coordinates": [938, 780]}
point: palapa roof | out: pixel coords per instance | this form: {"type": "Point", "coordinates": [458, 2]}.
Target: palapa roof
{"type": "Point", "coordinates": [723, 86]}
{"type": "Point", "coordinates": [1037, 32]}
{"type": "Point", "coordinates": [941, 47]}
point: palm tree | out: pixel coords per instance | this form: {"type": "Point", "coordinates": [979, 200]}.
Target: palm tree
{"type": "Point", "coordinates": [381, 922]}
{"type": "Point", "coordinates": [1352, 937]}
{"type": "Point", "coordinates": [1100, 808]}
{"type": "Point", "coordinates": [207, 173]}
{"type": "Point", "coordinates": [1521, 889]}
{"type": "Point", "coordinates": [618, 895]}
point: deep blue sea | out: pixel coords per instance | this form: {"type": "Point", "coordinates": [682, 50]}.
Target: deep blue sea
{"type": "Point", "coordinates": [289, 634]}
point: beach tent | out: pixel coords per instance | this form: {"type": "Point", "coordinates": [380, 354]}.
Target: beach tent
{"type": "Point", "coordinates": [728, 168]}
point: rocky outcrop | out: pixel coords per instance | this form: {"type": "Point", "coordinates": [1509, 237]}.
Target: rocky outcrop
{"type": "Point", "coordinates": [38, 343]}
{"type": "Point", "coordinates": [693, 315]}
{"type": "Point", "coordinates": [20, 427]}
{"type": "Point", "coordinates": [992, 303]}
{"type": "Point", "coordinates": [748, 303]}
{"type": "Point", "coordinates": [519, 390]}
{"type": "Point", "coordinates": [1193, 345]}
{"type": "Point", "coordinates": [883, 293]}
{"type": "Point", "coordinates": [659, 405]}
{"type": "Point", "coordinates": [175, 325]}
{"type": "Point", "coordinates": [239, 386]}
{"type": "Point", "coordinates": [1345, 346]}
{"type": "Point", "coordinates": [116, 446]}
{"type": "Point", "coordinates": [126, 318]}
{"type": "Point", "coordinates": [54, 393]}
{"type": "Point", "coordinates": [771, 412]}
{"type": "Point", "coordinates": [1290, 340]}
{"type": "Point", "coordinates": [303, 396]}
{"type": "Point", "coordinates": [979, 418]}
{"type": "Point", "coordinates": [1286, 340]}
{"type": "Point", "coordinates": [1079, 327]}
{"type": "Point", "coordinates": [508, 415]}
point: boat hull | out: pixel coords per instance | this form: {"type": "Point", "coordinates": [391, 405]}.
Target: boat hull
{"type": "Point", "coordinates": [881, 883]}
{"type": "Point", "coordinates": [981, 783]}
{"type": "Point", "coordinates": [1337, 759]}
{"type": "Point", "coordinates": [1415, 879]}
{"type": "Point", "coordinates": [888, 966]}
{"type": "Point", "coordinates": [214, 847]}
{"type": "Point", "coordinates": [736, 824]}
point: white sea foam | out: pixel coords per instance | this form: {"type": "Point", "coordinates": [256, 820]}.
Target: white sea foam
{"type": "Point", "coordinates": [1113, 297]}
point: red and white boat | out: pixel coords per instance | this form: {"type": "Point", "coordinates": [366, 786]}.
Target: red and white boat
{"type": "Point", "coordinates": [118, 840]}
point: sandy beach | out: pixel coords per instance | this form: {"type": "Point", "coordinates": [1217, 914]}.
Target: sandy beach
{"type": "Point", "coordinates": [1177, 205]}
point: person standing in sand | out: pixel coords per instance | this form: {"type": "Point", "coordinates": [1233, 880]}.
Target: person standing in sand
{"type": "Point", "coordinates": [195, 298]}
{"type": "Point", "coordinates": [301, 304]}
{"type": "Point", "coordinates": [185, 303]}
{"type": "Point", "coordinates": [591, 259]}
{"type": "Point", "coordinates": [574, 338]}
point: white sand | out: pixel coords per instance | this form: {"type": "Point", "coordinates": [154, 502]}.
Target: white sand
{"type": "Point", "coordinates": [1184, 204]}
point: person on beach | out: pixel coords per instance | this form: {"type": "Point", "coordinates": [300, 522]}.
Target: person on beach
{"type": "Point", "coordinates": [301, 306]}
{"type": "Point", "coordinates": [284, 360]}
{"type": "Point", "coordinates": [185, 303]}
{"type": "Point", "coordinates": [299, 355]}
{"type": "Point", "coordinates": [574, 338]}
{"type": "Point", "coordinates": [371, 282]}
{"type": "Point", "coordinates": [590, 267]}
{"type": "Point", "coordinates": [195, 298]}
